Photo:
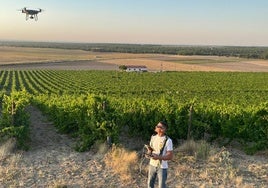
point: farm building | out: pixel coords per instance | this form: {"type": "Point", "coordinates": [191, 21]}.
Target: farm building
{"type": "Point", "coordinates": [136, 68]}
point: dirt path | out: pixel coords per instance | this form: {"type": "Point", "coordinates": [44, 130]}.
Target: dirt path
{"type": "Point", "coordinates": [52, 161]}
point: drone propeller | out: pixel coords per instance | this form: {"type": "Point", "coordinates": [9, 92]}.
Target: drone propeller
{"type": "Point", "coordinates": [41, 10]}
{"type": "Point", "coordinates": [24, 8]}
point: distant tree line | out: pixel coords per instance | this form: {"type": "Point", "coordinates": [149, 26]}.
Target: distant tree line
{"type": "Point", "coordinates": [234, 51]}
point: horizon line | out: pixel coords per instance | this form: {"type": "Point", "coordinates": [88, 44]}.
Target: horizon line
{"type": "Point", "coordinates": [125, 43]}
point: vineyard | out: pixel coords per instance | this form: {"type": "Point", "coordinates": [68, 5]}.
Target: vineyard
{"type": "Point", "coordinates": [94, 105]}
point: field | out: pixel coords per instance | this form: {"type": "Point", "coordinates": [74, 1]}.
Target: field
{"type": "Point", "coordinates": [47, 58]}
{"type": "Point", "coordinates": [56, 102]}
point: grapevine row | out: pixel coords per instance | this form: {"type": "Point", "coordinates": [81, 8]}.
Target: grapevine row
{"type": "Point", "coordinates": [96, 104]}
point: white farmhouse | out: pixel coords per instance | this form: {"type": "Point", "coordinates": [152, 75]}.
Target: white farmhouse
{"type": "Point", "coordinates": [136, 68]}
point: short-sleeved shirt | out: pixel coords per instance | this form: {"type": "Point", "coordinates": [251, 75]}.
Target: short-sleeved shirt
{"type": "Point", "coordinates": [157, 143]}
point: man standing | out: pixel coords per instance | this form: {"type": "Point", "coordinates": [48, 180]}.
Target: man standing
{"type": "Point", "coordinates": [162, 151]}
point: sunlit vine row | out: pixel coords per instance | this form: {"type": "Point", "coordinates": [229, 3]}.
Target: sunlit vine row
{"type": "Point", "coordinates": [65, 83]}
{"type": "Point", "coordinates": [47, 82]}
{"type": "Point", "coordinates": [27, 83]}
{"type": "Point", "coordinates": [242, 88]}
{"type": "Point", "coordinates": [35, 84]}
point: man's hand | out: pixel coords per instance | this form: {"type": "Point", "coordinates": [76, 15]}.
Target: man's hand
{"type": "Point", "coordinates": [168, 156]}
{"type": "Point", "coordinates": [149, 148]}
{"type": "Point", "coordinates": [155, 157]}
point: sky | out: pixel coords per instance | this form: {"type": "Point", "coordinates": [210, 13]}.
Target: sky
{"type": "Point", "coordinates": [174, 22]}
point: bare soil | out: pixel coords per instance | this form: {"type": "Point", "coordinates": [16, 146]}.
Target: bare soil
{"type": "Point", "coordinates": [52, 161]}
{"type": "Point", "coordinates": [63, 65]}
{"type": "Point", "coordinates": [47, 58]}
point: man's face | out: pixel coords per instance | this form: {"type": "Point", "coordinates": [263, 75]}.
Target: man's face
{"type": "Point", "coordinates": [159, 128]}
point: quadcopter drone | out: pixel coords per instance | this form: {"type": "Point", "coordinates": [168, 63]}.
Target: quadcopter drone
{"type": "Point", "coordinates": [31, 13]}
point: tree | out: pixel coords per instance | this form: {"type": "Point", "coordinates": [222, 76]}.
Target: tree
{"type": "Point", "coordinates": [123, 67]}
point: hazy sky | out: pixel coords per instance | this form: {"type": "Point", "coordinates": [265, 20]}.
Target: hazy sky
{"type": "Point", "coordinates": [181, 22]}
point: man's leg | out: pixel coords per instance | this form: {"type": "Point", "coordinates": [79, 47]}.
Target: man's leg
{"type": "Point", "coordinates": [162, 177]}
{"type": "Point", "coordinates": [151, 176]}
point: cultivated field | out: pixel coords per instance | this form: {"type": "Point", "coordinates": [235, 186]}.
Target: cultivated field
{"type": "Point", "coordinates": [47, 58]}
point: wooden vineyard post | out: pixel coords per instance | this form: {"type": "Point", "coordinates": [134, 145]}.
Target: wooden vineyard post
{"type": "Point", "coordinates": [108, 138]}
{"type": "Point", "coordinates": [13, 111]}
{"type": "Point", "coordinates": [190, 122]}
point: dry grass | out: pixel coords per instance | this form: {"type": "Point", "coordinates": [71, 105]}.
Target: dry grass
{"type": "Point", "coordinates": [123, 162]}
{"type": "Point", "coordinates": [58, 184]}
{"type": "Point", "coordinates": [10, 55]}
{"type": "Point", "coordinates": [7, 148]}
{"type": "Point", "coordinates": [200, 150]}
{"type": "Point", "coordinates": [222, 167]}
{"type": "Point", "coordinates": [9, 162]}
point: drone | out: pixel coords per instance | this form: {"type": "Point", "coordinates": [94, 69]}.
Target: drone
{"type": "Point", "coordinates": [31, 13]}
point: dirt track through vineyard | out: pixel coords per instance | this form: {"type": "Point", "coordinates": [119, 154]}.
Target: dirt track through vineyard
{"type": "Point", "coordinates": [52, 161]}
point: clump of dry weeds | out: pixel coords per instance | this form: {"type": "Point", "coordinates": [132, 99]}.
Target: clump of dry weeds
{"type": "Point", "coordinates": [7, 148]}
{"type": "Point", "coordinates": [122, 162]}
{"type": "Point", "coordinates": [9, 162]}
{"type": "Point", "coordinates": [200, 150]}
{"type": "Point", "coordinates": [201, 161]}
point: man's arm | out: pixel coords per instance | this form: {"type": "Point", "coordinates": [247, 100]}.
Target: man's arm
{"type": "Point", "coordinates": [168, 156]}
